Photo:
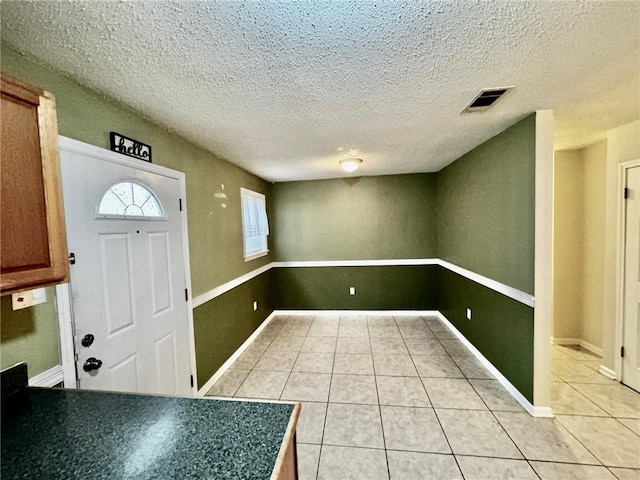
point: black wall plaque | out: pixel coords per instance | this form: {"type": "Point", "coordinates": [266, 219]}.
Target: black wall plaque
{"type": "Point", "coordinates": [130, 147]}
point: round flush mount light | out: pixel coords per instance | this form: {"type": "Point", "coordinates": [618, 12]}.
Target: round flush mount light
{"type": "Point", "coordinates": [350, 164]}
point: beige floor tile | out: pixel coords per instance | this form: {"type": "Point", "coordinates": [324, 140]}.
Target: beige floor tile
{"type": "Point", "coordinates": [425, 346]}
{"type": "Point", "coordinates": [615, 399]}
{"type": "Point", "coordinates": [247, 359]}
{"type": "Point", "coordinates": [495, 395]}
{"type": "Point", "coordinates": [558, 353]}
{"type": "Point", "coordinates": [544, 439]}
{"type": "Point", "coordinates": [610, 441]}
{"type": "Point", "coordinates": [350, 330]}
{"type": "Point", "coordinates": [452, 393]}
{"type": "Point", "coordinates": [353, 389]}
{"type": "Point", "coordinates": [632, 424]}
{"type": "Point", "coordinates": [262, 342]}
{"type": "Point", "coordinates": [472, 368]}
{"type": "Point", "coordinates": [319, 345]}
{"type": "Point", "coordinates": [272, 328]}
{"type": "Point", "coordinates": [389, 346]}
{"type": "Point", "coordinates": [308, 458]}
{"type": "Point", "coordinates": [413, 429]}
{"type": "Point", "coordinates": [626, 473]}
{"type": "Point", "coordinates": [416, 332]}
{"type": "Point", "coordinates": [353, 345]}
{"type": "Point", "coordinates": [229, 383]}
{"type": "Point", "coordinates": [476, 433]}
{"type": "Point", "coordinates": [353, 364]}
{"type": "Point", "coordinates": [455, 348]}
{"type": "Point", "coordinates": [444, 334]}
{"type": "Point", "coordinates": [263, 384]}
{"type": "Point", "coordinates": [285, 343]}
{"type": "Point", "coordinates": [405, 321]}
{"type": "Point", "coordinates": [436, 366]}
{"type": "Point", "coordinates": [384, 331]}
{"type": "Point", "coordinates": [345, 463]}
{"type": "Point", "coordinates": [277, 361]}
{"type": "Point", "coordinates": [394, 365]}
{"type": "Point", "coordinates": [353, 426]}
{"type": "Point", "coordinates": [380, 320]}
{"type": "Point", "coordinates": [479, 468]}
{"type": "Point", "coordinates": [353, 319]}
{"type": "Point", "coordinates": [568, 471]}
{"type": "Point", "coordinates": [309, 387]}
{"type": "Point", "coordinates": [567, 400]}
{"type": "Point", "coordinates": [402, 391]}
{"type": "Point", "coordinates": [579, 353]}
{"type": "Point", "coordinates": [311, 422]}
{"type": "Point", "coordinates": [324, 327]}
{"type": "Point", "coordinates": [593, 365]}
{"type": "Point", "coordinates": [298, 328]}
{"type": "Point", "coordinates": [314, 363]}
{"type": "Point", "coordinates": [573, 371]}
{"type": "Point", "coordinates": [417, 465]}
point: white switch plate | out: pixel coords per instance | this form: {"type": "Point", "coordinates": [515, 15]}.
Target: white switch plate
{"type": "Point", "coordinates": [28, 298]}
{"type": "Point", "coordinates": [352, 290]}
{"type": "Point", "coordinates": [255, 306]}
{"type": "Point", "coordinates": [468, 314]}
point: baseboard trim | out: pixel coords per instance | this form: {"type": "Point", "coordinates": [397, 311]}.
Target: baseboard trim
{"type": "Point", "coordinates": [577, 341]}
{"type": "Point", "coordinates": [591, 347]}
{"type": "Point", "coordinates": [327, 313]}
{"type": "Point", "coordinates": [225, 366]}
{"type": "Point", "coordinates": [48, 378]}
{"type": "Point", "coordinates": [607, 372]}
{"type": "Point", "coordinates": [513, 391]}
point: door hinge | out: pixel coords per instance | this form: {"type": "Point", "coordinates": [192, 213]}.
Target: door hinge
{"type": "Point", "coordinates": [191, 381]}
{"type": "Point", "coordinates": [186, 295]}
{"type": "Point", "coordinates": [622, 352]}
{"type": "Point", "coordinates": [72, 258]}
{"type": "Point", "coordinates": [180, 203]}
{"type": "Point", "coordinates": [625, 193]}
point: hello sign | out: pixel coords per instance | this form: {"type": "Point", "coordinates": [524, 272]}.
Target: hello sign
{"type": "Point", "coordinates": [130, 147]}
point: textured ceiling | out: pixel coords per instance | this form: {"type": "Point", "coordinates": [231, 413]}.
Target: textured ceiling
{"type": "Point", "coordinates": [285, 89]}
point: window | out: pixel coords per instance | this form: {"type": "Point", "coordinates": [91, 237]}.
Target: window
{"type": "Point", "coordinates": [130, 199]}
{"type": "Point", "coordinates": [255, 226]}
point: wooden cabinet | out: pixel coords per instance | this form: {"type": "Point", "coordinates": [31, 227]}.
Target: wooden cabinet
{"type": "Point", "coordinates": [33, 244]}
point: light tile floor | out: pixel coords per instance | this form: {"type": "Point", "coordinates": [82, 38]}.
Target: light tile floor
{"type": "Point", "coordinates": [401, 398]}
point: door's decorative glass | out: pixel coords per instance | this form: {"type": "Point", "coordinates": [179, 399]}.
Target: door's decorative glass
{"type": "Point", "coordinates": [130, 199]}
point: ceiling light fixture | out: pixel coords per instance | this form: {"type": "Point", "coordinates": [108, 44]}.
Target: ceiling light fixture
{"type": "Point", "coordinates": [350, 164]}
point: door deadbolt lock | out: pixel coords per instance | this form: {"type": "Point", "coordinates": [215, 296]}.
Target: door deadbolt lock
{"type": "Point", "coordinates": [87, 340]}
{"type": "Point", "coordinates": [91, 363]}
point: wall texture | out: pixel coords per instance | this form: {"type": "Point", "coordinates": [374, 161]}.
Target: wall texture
{"type": "Point", "coordinates": [486, 208]}
{"type": "Point", "coordinates": [355, 218]}
{"type": "Point", "coordinates": [568, 228]}
{"type": "Point", "coordinates": [215, 234]}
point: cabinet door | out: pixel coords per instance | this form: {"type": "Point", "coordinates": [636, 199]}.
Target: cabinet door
{"type": "Point", "coordinates": [33, 248]}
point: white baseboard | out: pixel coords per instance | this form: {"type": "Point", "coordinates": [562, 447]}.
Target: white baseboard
{"type": "Point", "coordinates": [607, 372]}
{"type": "Point", "coordinates": [577, 341]}
{"type": "Point", "coordinates": [328, 313]}
{"type": "Point", "coordinates": [48, 378]}
{"type": "Point", "coordinates": [513, 391]}
{"type": "Point", "coordinates": [225, 366]}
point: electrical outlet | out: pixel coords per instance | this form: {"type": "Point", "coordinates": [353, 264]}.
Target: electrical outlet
{"type": "Point", "coordinates": [468, 314]}
{"type": "Point", "coordinates": [352, 290]}
{"type": "Point", "coordinates": [255, 305]}
{"type": "Point", "coordinates": [28, 299]}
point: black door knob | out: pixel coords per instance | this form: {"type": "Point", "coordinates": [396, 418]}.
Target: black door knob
{"type": "Point", "coordinates": [91, 363]}
{"type": "Point", "coordinates": [87, 340]}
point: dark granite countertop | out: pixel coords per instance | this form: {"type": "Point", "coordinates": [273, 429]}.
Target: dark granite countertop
{"type": "Point", "coordinates": [71, 434]}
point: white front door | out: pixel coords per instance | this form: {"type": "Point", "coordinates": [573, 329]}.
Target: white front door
{"type": "Point", "coordinates": [631, 289]}
{"type": "Point", "coordinates": [128, 282]}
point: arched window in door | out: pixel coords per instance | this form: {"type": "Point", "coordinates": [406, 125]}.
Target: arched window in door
{"type": "Point", "coordinates": [130, 199]}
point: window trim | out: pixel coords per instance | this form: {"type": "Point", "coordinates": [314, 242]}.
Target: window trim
{"type": "Point", "coordinates": [250, 193]}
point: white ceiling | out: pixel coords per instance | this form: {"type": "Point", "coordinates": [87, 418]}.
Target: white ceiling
{"type": "Point", "coordinates": [285, 89]}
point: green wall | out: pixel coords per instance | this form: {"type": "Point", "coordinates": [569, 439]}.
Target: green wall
{"type": "Point", "coordinates": [377, 288]}
{"type": "Point", "coordinates": [486, 208]}
{"type": "Point", "coordinates": [355, 218]}
{"type": "Point", "coordinates": [215, 234]}
{"type": "Point", "coordinates": [30, 333]}
{"type": "Point", "coordinates": [224, 323]}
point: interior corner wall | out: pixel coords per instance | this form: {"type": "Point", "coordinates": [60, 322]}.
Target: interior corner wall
{"type": "Point", "coordinates": [568, 227]}
{"type": "Point", "coordinates": [215, 224]}
{"type": "Point", "coordinates": [623, 145]}
{"type": "Point", "coordinates": [486, 206]}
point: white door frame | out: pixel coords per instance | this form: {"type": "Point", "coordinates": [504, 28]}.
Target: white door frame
{"type": "Point", "coordinates": [620, 255]}
{"type": "Point", "coordinates": [63, 292]}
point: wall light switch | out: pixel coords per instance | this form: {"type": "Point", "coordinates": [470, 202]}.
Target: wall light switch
{"type": "Point", "coordinates": [255, 306]}
{"type": "Point", "coordinates": [468, 314]}
{"type": "Point", "coordinates": [29, 298]}
{"type": "Point", "coordinates": [352, 290]}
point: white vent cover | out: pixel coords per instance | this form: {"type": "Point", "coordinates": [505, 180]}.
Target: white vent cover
{"type": "Point", "coordinates": [485, 99]}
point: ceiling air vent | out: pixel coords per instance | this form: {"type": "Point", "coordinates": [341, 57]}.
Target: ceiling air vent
{"type": "Point", "coordinates": [485, 99]}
